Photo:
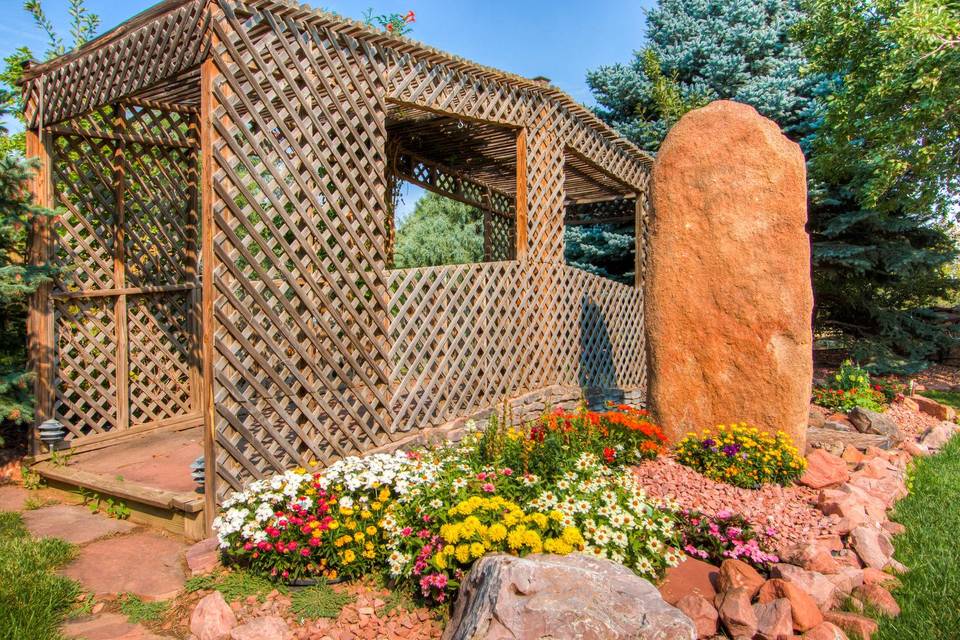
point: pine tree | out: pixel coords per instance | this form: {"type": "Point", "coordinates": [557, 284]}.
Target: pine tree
{"type": "Point", "coordinates": [439, 231]}
{"type": "Point", "coordinates": [875, 268]}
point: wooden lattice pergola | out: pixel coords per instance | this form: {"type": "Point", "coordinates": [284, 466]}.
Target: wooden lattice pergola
{"type": "Point", "coordinates": [225, 171]}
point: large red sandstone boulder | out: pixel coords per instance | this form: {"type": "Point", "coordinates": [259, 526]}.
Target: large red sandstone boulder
{"type": "Point", "coordinates": [728, 294]}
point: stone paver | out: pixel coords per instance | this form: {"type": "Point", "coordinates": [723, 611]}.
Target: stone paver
{"type": "Point", "coordinates": [12, 498]}
{"type": "Point", "coordinates": [72, 523]}
{"type": "Point", "coordinates": [147, 565]}
{"type": "Point", "coordinates": [106, 626]}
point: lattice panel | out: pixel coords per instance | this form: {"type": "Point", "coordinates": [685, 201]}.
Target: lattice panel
{"type": "Point", "coordinates": [545, 193]}
{"type": "Point", "coordinates": [299, 212]}
{"type": "Point", "coordinates": [85, 366]}
{"type": "Point", "coordinates": [161, 350]}
{"type": "Point", "coordinates": [618, 210]}
{"type": "Point", "coordinates": [499, 237]}
{"type": "Point", "coordinates": [465, 337]}
{"type": "Point", "coordinates": [125, 172]}
{"type": "Point", "coordinates": [83, 178]}
{"type": "Point", "coordinates": [160, 198]}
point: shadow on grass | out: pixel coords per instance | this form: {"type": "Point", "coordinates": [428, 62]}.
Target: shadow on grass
{"type": "Point", "coordinates": [930, 596]}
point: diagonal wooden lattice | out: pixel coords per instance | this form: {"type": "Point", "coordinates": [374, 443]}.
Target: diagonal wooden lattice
{"type": "Point", "coordinates": [615, 211]}
{"type": "Point", "coordinates": [125, 250]}
{"type": "Point", "coordinates": [300, 287]}
{"type": "Point", "coordinates": [467, 336]}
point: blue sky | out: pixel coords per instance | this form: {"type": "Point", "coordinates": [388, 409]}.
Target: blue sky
{"type": "Point", "coordinates": [559, 39]}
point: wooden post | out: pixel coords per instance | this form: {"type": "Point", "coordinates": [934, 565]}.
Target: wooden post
{"type": "Point", "coordinates": [208, 72]}
{"type": "Point", "coordinates": [40, 320]}
{"type": "Point", "coordinates": [122, 354]}
{"type": "Point", "coordinates": [195, 295]}
{"type": "Point", "coordinates": [521, 194]}
{"type": "Point", "coordinates": [638, 248]}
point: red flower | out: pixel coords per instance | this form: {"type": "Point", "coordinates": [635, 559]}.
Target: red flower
{"type": "Point", "coordinates": [410, 17]}
{"type": "Point", "coordinates": [609, 454]}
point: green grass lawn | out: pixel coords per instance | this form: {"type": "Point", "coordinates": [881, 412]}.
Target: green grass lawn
{"type": "Point", "coordinates": [34, 600]}
{"type": "Point", "coordinates": [930, 595]}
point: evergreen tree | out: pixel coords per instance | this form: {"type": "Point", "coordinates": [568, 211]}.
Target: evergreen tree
{"type": "Point", "coordinates": [875, 267]}
{"type": "Point", "coordinates": [604, 249]}
{"type": "Point", "coordinates": [439, 231]}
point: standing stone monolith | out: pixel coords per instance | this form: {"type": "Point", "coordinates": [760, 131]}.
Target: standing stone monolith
{"type": "Point", "coordinates": [728, 294]}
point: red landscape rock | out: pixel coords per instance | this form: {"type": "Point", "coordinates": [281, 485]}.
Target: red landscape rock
{"type": "Point", "coordinates": [691, 576]}
{"type": "Point", "coordinates": [873, 545]}
{"type": "Point", "coordinates": [825, 631]}
{"type": "Point", "coordinates": [203, 557]}
{"type": "Point", "coordinates": [108, 626]}
{"type": "Point", "coordinates": [933, 408]}
{"type": "Point", "coordinates": [879, 597]}
{"type": "Point", "coordinates": [804, 610]}
{"type": "Point", "coordinates": [853, 624]}
{"type": "Point", "coordinates": [728, 294]}
{"type": "Point", "coordinates": [812, 557]}
{"type": "Point", "coordinates": [267, 628]}
{"type": "Point", "coordinates": [875, 576]}
{"type": "Point", "coordinates": [702, 612]}
{"type": "Point", "coordinates": [773, 620]}
{"type": "Point", "coordinates": [212, 619]}
{"type": "Point", "coordinates": [852, 455]}
{"type": "Point", "coordinates": [736, 574]}
{"type": "Point", "coordinates": [737, 614]}
{"type": "Point", "coordinates": [847, 579]}
{"type": "Point", "coordinates": [824, 470]}
{"type": "Point", "coordinates": [817, 585]}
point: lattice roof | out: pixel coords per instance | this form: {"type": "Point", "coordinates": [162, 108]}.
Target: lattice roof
{"type": "Point", "coordinates": [157, 53]}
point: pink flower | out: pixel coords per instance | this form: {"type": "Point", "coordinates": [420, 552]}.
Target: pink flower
{"type": "Point", "coordinates": [724, 514]}
{"type": "Point", "coordinates": [406, 531]}
{"type": "Point", "coordinates": [489, 488]}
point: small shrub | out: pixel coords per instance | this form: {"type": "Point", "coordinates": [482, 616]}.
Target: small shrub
{"type": "Point", "coordinates": [319, 601]}
{"type": "Point", "coordinates": [234, 585]}
{"type": "Point", "coordinates": [742, 456]}
{"type": "Point", "coordinates": [721, 536]}
{"type": "Point", "coordinates": [850, 387]}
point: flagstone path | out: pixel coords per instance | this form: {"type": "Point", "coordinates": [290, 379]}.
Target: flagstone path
{"type": "Point", "coordinates": [115, 557]}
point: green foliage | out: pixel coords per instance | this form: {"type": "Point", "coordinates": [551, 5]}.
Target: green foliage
{"type": "Point", "coordinates": [742, 456]}
{"type": "Point", "coordinates": [439, 231]}
{"type": "Point", "coordinates": [83, 25]}
{"type": "Point", "coordinates": [725, 49]}
{"type": "Point", "coordinates": [605, 249]}
{"type": "Point", "coordinates": [850, 387]}
{"type": "Point", "coordinates": [138, 611]}
{"type": "Point", "coordinates": [397, 24]}
{"type": "Point", "coordinates": [34, 600]}
{"type": "Point", "coordinates": [929, 548]}
{"type": "Point", "coordinates": [235, 585]}
{"type": "Point", "coordinates": [319, 601]}
{"type": "Point", "coordinates": [887, 152]}
{"type": "Point", "coordinates": [893, 113]}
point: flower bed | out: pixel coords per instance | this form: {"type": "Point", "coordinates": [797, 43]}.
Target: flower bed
{"type": "Point", "coordinates": [742, 456]}
{"type": "Point", "coordinates": [851, 387]}
{"type": "Point", "coordinates": [426, 515]}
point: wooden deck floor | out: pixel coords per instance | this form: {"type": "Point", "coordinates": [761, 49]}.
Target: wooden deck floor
{"type": "Point", "coordinates": [150, 473]}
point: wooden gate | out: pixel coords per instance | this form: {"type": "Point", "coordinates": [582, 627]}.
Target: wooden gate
{"type": "Point", "coordinates": [123, 311]}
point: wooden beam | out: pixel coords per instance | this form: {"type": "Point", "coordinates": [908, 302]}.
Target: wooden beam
{"type": "Point", "coordinates": [119, 137]}
{"type": "Point", "coordinates": [208, 72]}
{"type": "Point", "coordinates": [521, 202]}
{"type": "Point", "coordinates": [638, 247]}
{"type": "Point", "coordinates": [40, 320]}
{"type": "Point", "coordinates": [122, 353]}
{"type": "Point", "coordinates": [125, 291]}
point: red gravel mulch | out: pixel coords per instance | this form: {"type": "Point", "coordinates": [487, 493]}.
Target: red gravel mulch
{"type": "Point", "coordinates": [788, 510]}
{"type": "Point", "coordinates": [913, 423]}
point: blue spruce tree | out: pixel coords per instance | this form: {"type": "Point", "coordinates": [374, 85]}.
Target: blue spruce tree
{"type": "Point", "coordinates": [876, 270]}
